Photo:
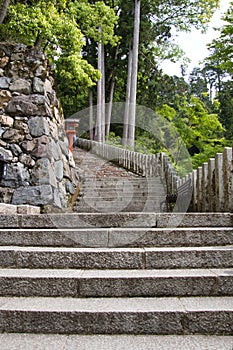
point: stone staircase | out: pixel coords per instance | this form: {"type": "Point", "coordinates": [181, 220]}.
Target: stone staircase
{"type": "Point", "coordinates": [166, 278]}
{"type": "Point", "coordinates": [83, 274]}
{"type": "Point", "coordinates": [109, 188]}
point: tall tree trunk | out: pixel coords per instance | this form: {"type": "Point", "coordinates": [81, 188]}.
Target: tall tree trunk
{"type": "Point", "coordinates": [98, 126]}
{"type": "Point", "coordinates": [127, 101]}
{"type": "Point", "coordinates": [109, 110]}
{"type": "Point", "coordinates": [4, 10]}
{"type": "Point", "coordinates": [112, 81]}
{"type": "Point", "coordinates": [133, 92]}
{"type": "Point", "coordinates": [103, 93]}
{"type": "Point", "coordinates": [90, 114]}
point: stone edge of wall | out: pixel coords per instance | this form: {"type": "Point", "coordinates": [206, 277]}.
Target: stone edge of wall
{"type": "Point", "coordinates": [9, 209]}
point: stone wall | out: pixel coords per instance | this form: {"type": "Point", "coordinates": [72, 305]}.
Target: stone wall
{"type": "Point", "coordinates": [37, 167]}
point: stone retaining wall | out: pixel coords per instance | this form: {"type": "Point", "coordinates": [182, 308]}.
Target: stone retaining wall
{"type": "Point", "coordinates": [37, 167]}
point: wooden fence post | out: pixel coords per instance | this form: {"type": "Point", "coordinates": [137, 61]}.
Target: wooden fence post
{"type": "Point", "coordinates": [219, 199]}
{"type": "Point", "coordinates": [211, 185]}
{"type": "Point", "coordinates": [204, 186]}
{"type": "Point", "coordinates": [227, 179]}
{"type": "Point", "coordinates": [199, 189]}
{"type": "Point", "coordinates": [194, 185]}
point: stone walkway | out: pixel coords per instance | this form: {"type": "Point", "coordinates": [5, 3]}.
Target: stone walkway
{"type": "Point", "coordinates": [107, 187]}
{"type": "Point", "coordinates": [91, 165]}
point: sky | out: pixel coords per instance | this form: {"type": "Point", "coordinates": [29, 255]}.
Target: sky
{"type": "Point", "coordinates": [194, 43]}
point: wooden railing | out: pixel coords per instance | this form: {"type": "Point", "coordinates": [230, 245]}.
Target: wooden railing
{"type": "Point", "coordinates": [212, 183]}
{"type": "Point", "coordinates": [141, 164]}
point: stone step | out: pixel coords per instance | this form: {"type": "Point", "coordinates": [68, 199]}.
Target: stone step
{"type": "Point", "coordinates": [123, 181]}
{"type": "Point", "coordinates": [115, 283]}
{"type": "Point", "coordinates": [111, 342]}
{"type": "Point", "coordinates": [111, 192]}
{"type": "Point", "coordinates": [116, 258]}
{"type": "Point", "coordinates": [170, 315]}
{"type": "Point", "coordinates": [130, 219]}
{"type": "Point", "coordinates": [135, 198]}
{"type": "Point", "coordinates": [95, 191]}
{"type": "Point", "coordinates": [121, 177]}
{"type": "Point", "coordinates": [118, 237]}
{"type": "Point", "coordinates": [118, 207]}
{"type": "Point", "coordinates": [126, 188]}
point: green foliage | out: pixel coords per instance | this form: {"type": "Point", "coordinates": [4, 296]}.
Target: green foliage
{"type": "Point", "coordinates": [144, 143]}
{"type": "Point", "coordinates": [69, 31]}
{"type": "Point", "coordinates": [59, 28]}
{"type": "Point", "coordinates": [221, 49]}
{"type": "Point", "coordinates": [114, 140]}
{"type": "Point", "coordinates": [201, 131]}
{"type": "Point", "coordinates": [54, 29]}
{"type": "Point", "coordinates": [92, 17]}
{"type": "Point", "coordinates": [225, 100]}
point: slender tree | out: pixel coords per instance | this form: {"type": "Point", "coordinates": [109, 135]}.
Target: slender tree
{"type": "Point", "coordinates": [127, 101]}
{"type": "Point", "coordinates": [134, 75]}
{"type": "Point", "coordinates": [3, 11]}
{"type": "Point", "coordinates": [90, 114]}
{"type": "Point", "coordinates": [98, 126]}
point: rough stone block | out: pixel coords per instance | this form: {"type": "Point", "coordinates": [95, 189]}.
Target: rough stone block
{"type": "Point", "coordinates": [21, 105]}
{"type": "Point", "coordinates": [30, 105]}
{"type": "Point", "coordinates": [13, 135]}
{"type": "Point", "coordinates": [17, 175]}
{"type": "Point", "coordinates": [43, 173]}
{"type": "Point", "coordinates": [34, 195]}
{"type": "Point", "coordinates": [4, 82]}
{"type": "Point", "coordinates": [22, 86]}
{"type": "Point", "coordinates": [26, 160]}
{"type": "Point", "coordinates": [8, 208]}
{"type": "Point", "coordinates": [4, 61]}
{"type": "Point", "coordinates": [55, 150]}
{"type": "Point", "coordinates": [38, 126]}
{"type": "Point", "coordinates": [41, 147]}
{"type": "Point", "coordinates": [21, 125]}
{"type": "Point", "coordinates": [38, 86]}
{"type": "Point", "coordinates": [58, 169]}
{"type": "Point", "coordinates": [6, 120]}
{"type": "Point", "coordinates": [28, 209]}
{"type": "Point", "coordinates": [5, 155]}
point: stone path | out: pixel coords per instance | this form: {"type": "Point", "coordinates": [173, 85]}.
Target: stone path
{"type": "Point", "coordinates": [109, 188]}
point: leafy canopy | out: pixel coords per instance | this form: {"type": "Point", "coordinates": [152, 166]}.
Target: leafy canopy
{"type": "Point", "coordinates": [221, 49]}
{"type": "Point", "coordinates": [59, 28]}
{"type": "Point", "coordinates": [200, 130]}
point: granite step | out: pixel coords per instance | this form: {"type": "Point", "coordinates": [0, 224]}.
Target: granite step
{"type": "Point", "coordinates": [169, 315]}
{"type": "Point", "coordinates": [129, 189]}
{"type": "Point", "coordinates": [122, 184]}
{"type": "Point", "coordinates": [133, 198]}
{"type": "Point", "coordinates": [115, 283]}
{"type": "Point", "coordinates": [120, 207]}
{"type": "Point", "coordinates": [24, 341]}
{"type": "Point", "coordinates": [117, 237]}
{"type": "Point", "coordinates": [127, 219]}
{"type": "Point", "coordinates": [117, 258]}
{"type": "Point", "coordinates": [96, 194]}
